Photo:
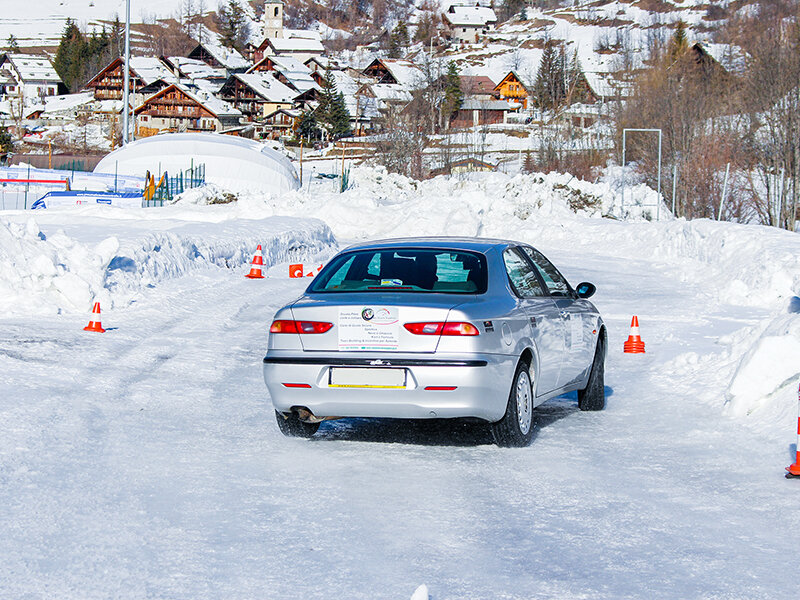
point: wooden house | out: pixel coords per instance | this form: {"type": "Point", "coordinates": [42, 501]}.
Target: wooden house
{"type": "Point", "coordinates": [281, 122]}
{"type": "Point", "coordinates": [512, 89]}
{"type": "Point", "coordinates": [29, 76]}
{"type": "Point", "coordinates": [215, 55]}
{"type": "Point", "coordinates": [256, 95]}
{"type": "Point", "coordinates": [394, 71]}
{"type": "Point", "coordinates": [177, 109]}
{"type": "Point", "coordinates": [300, 48]}
{"type": "Point", "coordinates": [147, 76]}
{"type": "Point", "coordinates": [476, 111]}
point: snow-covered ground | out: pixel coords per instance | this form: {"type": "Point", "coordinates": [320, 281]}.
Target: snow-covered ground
{"type": "Point", "coordinates": [43, 23]}
{"type": "Point", "coordinates": [145, 462]}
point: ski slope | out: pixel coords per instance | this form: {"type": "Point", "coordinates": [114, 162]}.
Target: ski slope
{"type": "Point", "coordinates": [42, 23]}
{"type": "Point", "coordinates": [145, 462]}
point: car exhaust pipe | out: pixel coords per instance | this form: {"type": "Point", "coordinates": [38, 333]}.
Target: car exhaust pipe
{"type": "Point", "coordinates": [306, 416]}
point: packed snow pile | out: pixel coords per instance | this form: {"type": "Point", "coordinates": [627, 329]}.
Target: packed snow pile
{"type": "Point", "coordinates": [52, 274]}
{"type": "Point", "coordinates": [741, 264]}
{"type": "Point", "coordinates": [57, 273]}
{"type": "Point", "coordinates": [381, 204]}
{"type": "Point", "coordinates": [765, 385]}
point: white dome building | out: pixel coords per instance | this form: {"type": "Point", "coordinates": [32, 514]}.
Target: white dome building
{"type": "Point", "coordinates": [234, 163]}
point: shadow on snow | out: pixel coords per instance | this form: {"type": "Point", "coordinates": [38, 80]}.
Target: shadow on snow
{"type": "Point", "coordinates": [440, 432]}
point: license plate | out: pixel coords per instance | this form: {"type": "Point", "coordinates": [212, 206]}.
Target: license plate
{"type": "Point", "coordinates": [367, 378]}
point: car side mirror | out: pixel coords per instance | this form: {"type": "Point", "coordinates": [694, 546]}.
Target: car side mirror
{"type": "Point", "coordinates": [585, 289]}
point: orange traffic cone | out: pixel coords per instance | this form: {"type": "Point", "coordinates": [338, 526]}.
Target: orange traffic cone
{"type": "Point", "coordinates": [94, 320]}
{"type": "Point", "coordinates": [255, 267]}
{"type": "Point", "coordinates": [794, 470]}
{"type": "Point", "coordinates": [634, 343]}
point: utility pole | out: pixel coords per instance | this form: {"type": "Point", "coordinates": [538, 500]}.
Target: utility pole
{"type": "Point", "coordinates": [127, 75]}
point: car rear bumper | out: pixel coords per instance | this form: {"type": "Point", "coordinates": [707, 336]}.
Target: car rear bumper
{"type": "Point", "coordinates": [482, 384]}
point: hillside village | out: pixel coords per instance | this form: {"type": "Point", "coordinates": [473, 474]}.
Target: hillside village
{"type": "Point", "coordinates": [467, 84]}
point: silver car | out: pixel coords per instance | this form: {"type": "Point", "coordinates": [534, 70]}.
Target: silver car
{"type": "Point", "coordinates": [424, 328]}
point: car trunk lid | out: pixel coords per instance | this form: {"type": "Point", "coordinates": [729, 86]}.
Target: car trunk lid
{"type": "Point", "coordinates": [371, 322]}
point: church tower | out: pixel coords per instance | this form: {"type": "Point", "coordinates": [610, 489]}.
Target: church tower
{"type": "Point", "coordinates": [273, 18]}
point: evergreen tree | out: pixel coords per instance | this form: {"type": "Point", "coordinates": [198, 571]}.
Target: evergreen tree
{"type": "Point", "coordinates": [398, 41]}
{"type": "Point", "coordinates": [453, 95]}
{"type": "Point", "coordinates": [340, 118]}
{"type": "Point", "coordinates": [6, 141]}
{"type": "Point", "coordinates": [550, 86]}
{"type": "Point", "coordinates": [11, 43]}
{"type": "Point", "coordinates": [575, 81]}
{"type": "Point", "coordinates": [307, 128]}
{"type": "Point", "coordinates": [71, 55]}
{"type": "Point", "coordinates": [232, 24]}
{"type": "Point", "coordinates": [426, 28]}
{"type": "Point", "coordinates": [679, 43]}
{"type": "Point", "coordinates": [332, 113]}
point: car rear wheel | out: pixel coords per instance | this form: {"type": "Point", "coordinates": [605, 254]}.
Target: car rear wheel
{"type": "Point", "coordinates": [593, 396]}
{"type": "Point", "coordinates": [515, 429]}
{"type": "Point", "coordinates": [291, 425]}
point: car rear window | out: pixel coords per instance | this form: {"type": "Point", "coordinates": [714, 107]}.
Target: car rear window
{"type": "Point", "coordinates": [404, 270]}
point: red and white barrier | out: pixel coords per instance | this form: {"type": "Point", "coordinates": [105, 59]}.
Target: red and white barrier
{"type": "Point", "coordinates": [303, 270]}
{"type": "Point", "coordinates": [794, 470]}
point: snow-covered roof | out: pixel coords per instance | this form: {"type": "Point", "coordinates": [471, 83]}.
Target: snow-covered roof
{"type": "Point", "coordinates": [289, 64]}
{"type": "Point", "coordinates": [406, 73]}
{"type": "Point", "coordinates": [227, 57]}
{"type": "Point", "coordinates": [68, 102]}
{"type": "Point", "coordinates": [732, 58]}
{"type": "Point", "coordinates": [31, 67]}
{"type": "Point", "coordinates": [481, 104]}
{"type": "Point", "coordinates": [325, 62]}
{"type": "Point", "coordinates": [390, 92]}
{"type": "Point", "coordinates": [150, 69]}
{"type": "Point", "coordinates": [292, 112]}
{"type": "Point", "coordinates": [605, 85]}
{"type": "Point", "coordinates": [296, 45]}
{"type": "Point", "coordinates": [308, 34]}
{"type": "Point", "coordinates": [207, 86]}
{"type": "Point", "coordinates": [470, 16]}
{"type": "Point", "coordinates": [266, 86]}
{"type": "Point", "coordinates": [295, 72]}
{"type": "Point", "coordinates": [194, 68]}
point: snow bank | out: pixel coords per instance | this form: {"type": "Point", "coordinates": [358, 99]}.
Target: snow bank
{"type": "Point", "coordinates": [765, 384]}
{"type": "Point", "coordinates": [41, 274]}
{"type": "Point", "coordinates": [381, 203]}
{"type": "Point", "coordinates": [57, 273]}
{"type": "Point", "coordinates": [738, 264]}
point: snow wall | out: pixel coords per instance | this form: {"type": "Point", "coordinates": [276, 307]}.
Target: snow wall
{"type": "Point", "coordinates": [234, 163]}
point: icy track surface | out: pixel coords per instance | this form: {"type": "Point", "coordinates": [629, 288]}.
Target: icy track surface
{"type": "Point", "coordinates": [146, 463]}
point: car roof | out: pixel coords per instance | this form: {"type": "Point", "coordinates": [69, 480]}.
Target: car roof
{"type": "Point", "coordinates": [444, 242]}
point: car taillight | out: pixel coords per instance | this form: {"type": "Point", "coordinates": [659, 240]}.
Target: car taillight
{"type": "Point", "coordinates": [441, 328]}
{"type": "Point", "coordinates": [287, 326]}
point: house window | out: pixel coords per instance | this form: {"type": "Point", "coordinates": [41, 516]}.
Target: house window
{"type": "Point", "coordinates": [463, 30]}
{"type": "Point", "coordinates": [144, 118]}
{"type": "Point", "coordinates": [276, 11]}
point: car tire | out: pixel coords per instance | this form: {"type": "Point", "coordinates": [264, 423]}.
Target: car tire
{"type": "Point", "coordinates": [291, 425]}
{"type": "Point", "coordinates": [515, 429]}
{"type": "Point", "coordinates": [593, 396]}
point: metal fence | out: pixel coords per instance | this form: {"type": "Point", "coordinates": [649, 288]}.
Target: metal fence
{"type": "Point", "coordinates": [190, 178]}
